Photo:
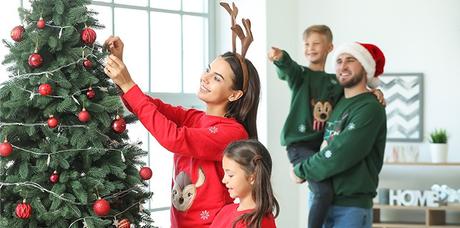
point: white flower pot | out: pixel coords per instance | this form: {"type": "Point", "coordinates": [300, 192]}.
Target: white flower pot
{"type": "Point", "coordinates": [438, 152]}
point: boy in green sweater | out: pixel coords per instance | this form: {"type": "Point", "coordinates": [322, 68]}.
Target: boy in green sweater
{"type": "Point", "coordinates": [351, 155]}
{"type": "Point", "coordinates": [314, 93]}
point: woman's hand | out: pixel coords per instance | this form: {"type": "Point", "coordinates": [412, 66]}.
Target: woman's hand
{"type": "Point", "coordinates": [115, 46]}
{"type": "Point", "coordinates": [118, 72]}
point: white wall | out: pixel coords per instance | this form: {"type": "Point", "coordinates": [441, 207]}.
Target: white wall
{"type": "Point", "coordinates": [282, 24]}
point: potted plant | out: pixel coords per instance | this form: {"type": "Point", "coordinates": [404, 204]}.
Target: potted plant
{"type": "Point", "coordinates": [438, 145]}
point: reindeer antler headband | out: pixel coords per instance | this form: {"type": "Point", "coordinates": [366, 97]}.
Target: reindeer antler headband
{"type": "Point", "coordinates": [246, 40]}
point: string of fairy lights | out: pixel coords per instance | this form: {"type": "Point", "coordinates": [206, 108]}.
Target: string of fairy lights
{"type": "Point", "coordinates": [84, 56]}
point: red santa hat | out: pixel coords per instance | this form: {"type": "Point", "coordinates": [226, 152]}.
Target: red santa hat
{"type": "Point", "coordinates": [370, 57]}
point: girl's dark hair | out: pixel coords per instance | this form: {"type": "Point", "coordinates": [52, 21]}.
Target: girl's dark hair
{"type": "Point", "coordinates": [244, 110]}
{"type": "Point", "coordinates": [255, 159]}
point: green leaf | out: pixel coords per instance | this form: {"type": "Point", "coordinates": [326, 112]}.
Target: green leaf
{"type": "Point", "coordinates": [79, 192]}
{"type": "Point", "coordinates": [52, 42]}
{"type": "Point", "coordinates": [58, 189]}
{"type": "Point", "coordinates": [31, 131]}
{"type": "Point", "coordinates": [64, 164]}
{"type": "Point", "coordinates": [55, 204]}
{"type": "Point", "coordinates": [59, 7]}
{"type": "Point", "coordinates": [117, 171]}
{"type": "Point", "coordinates": [66, 105]}
{"type": "Point", "coordinates": [75, 210]}
{"type": "Point", "coordinates": [37, 205]}
{"type": "Point", "coordinates": [76, 136]}
{"type": "Point", "coordinates": [41, 164]}
{"type": "Point", "coordinates": [24, 169]}
{"type": "Point", "coordinates": [57, 19]}
{"type": "Point", "coordinates": [111, 103]}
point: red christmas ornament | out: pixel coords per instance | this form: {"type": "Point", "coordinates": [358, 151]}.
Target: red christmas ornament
{"type": "Point", "coordinates": [54, 178]}
{"type": "Point", "coordinates": [87, 64]}
{"type": "Point", "coordinates": [145, 173]}
{"type": "Point", "coordinates": [35, 60]}
{"type": "Point", "coordinates": [45, 89]}
{"type": "Point", "coordinates": [84, 115]}
{"type": "Point", "coordinates": [6, 149]}
{"type": "Point", "coordinates": [17, 33]}
{"type": "Point", "coordinates": [90, 93]}
{"type": "Point", "coordinates": [41, 23]}
{"type": "Point", "coordinates": [101, 207]}
{"type": "Point", "coordinates": [52, 122]}
{"type": "Point", "coordinates": [119, 125]}
{"type": "Point", "coordinates": [88, 36]}
{"type": "Point", "coordinates": [23, 210]}
{"type": "Point", "coordinates": [124, 223]}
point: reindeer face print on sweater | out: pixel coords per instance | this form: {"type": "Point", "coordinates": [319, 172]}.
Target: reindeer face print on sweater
{"type": "Point", "coordinates": [184, 191]}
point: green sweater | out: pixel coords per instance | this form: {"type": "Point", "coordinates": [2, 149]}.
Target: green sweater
{"type": "Point", "coordinates": [306, 85]}
{"type": "Point", "coordinates": [352, 151]}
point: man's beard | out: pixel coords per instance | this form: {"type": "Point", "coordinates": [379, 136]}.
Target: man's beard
{"type": "Point", "coordinates": [354, 81]}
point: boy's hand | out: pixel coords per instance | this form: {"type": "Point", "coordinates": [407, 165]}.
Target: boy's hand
{"type": "Point", "coordinates": [379, 95]}
{"type": "Point", "coordinates": [115, 46]}
{"type": "Point", "coordinates": [275, 54]}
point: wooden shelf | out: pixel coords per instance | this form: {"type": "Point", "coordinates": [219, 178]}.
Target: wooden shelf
{"type": "Point", "coordinates": [435, 217]}
{"type": "Point", "coordinates": [424, 163]}
{"type": "Point", "coordinates": [398, 225]}
{"type": "Point", "coordinates": [440, 208]}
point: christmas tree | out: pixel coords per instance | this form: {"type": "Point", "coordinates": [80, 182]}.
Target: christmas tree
{"type": "Point", "coordinates": [65, 156]}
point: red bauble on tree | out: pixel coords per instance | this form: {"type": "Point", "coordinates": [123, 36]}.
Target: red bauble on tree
{"type": "Point", "coordinates": [101, 207]}
{"type": "Point", "coordinates": [45, 89]}
{"type": "Point", "coordinates": [90, 93]}
{"type": "Point", "coordinates": [88, 36]}
{"type": "Point", "coordinates": [52, 122]}
{"type": "Point", "coordinates": [41, 23]}
{"type": "Point", "coordinates": [6, 149]}
{"type": "Point", "coordinates": [17, 33]}
{"type": "Point", "coordinates": [23, 210]}
{"type": "Point", "coordinates": [145, 173]}
{"type": "Point", "coordinates": [124, 223]}
{"type": "Point", "coordinates": [87, 64]}
{"type": "Point", "coordinates": [84, 115]}
{"type": "Point", "coordinates": [35, 60]}
{"type": "Point", "coordinates": [119, 125]}
{"type": "Point", "coordinates": [54, 178]}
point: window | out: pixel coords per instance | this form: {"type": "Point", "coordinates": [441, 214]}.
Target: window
{"type": "Point", "coordinates": [8, 10]}
{"type": "Point", "coordinates": [166, 49]}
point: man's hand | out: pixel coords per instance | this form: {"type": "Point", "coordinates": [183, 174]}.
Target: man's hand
{"type": "Point", "coordinates": [379, 95]}
{"type": "Point", "coordinates": [115, 46]}
{"type": "Point", "coordinates": [275, 54]}
{"type": "Point", "coordinates": [294, 177]}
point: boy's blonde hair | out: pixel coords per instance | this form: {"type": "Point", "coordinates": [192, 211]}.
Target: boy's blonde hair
{"type": "Point", "coordinates": [321, 29]}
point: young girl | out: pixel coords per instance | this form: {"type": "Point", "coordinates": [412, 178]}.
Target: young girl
{"type": "Point", "coordinates": [248, 166]}
{"type": "Point", "coordinates": [196, 138]}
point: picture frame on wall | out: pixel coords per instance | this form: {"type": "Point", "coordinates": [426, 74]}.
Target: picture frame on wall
{"type": "Point", "coordinates": [404, 96]}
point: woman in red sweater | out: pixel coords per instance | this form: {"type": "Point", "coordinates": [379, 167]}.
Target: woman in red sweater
{"type": "Point", "coordinates": [248, 166]}
{"type": "Point", "coordinates": [230, 88]}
